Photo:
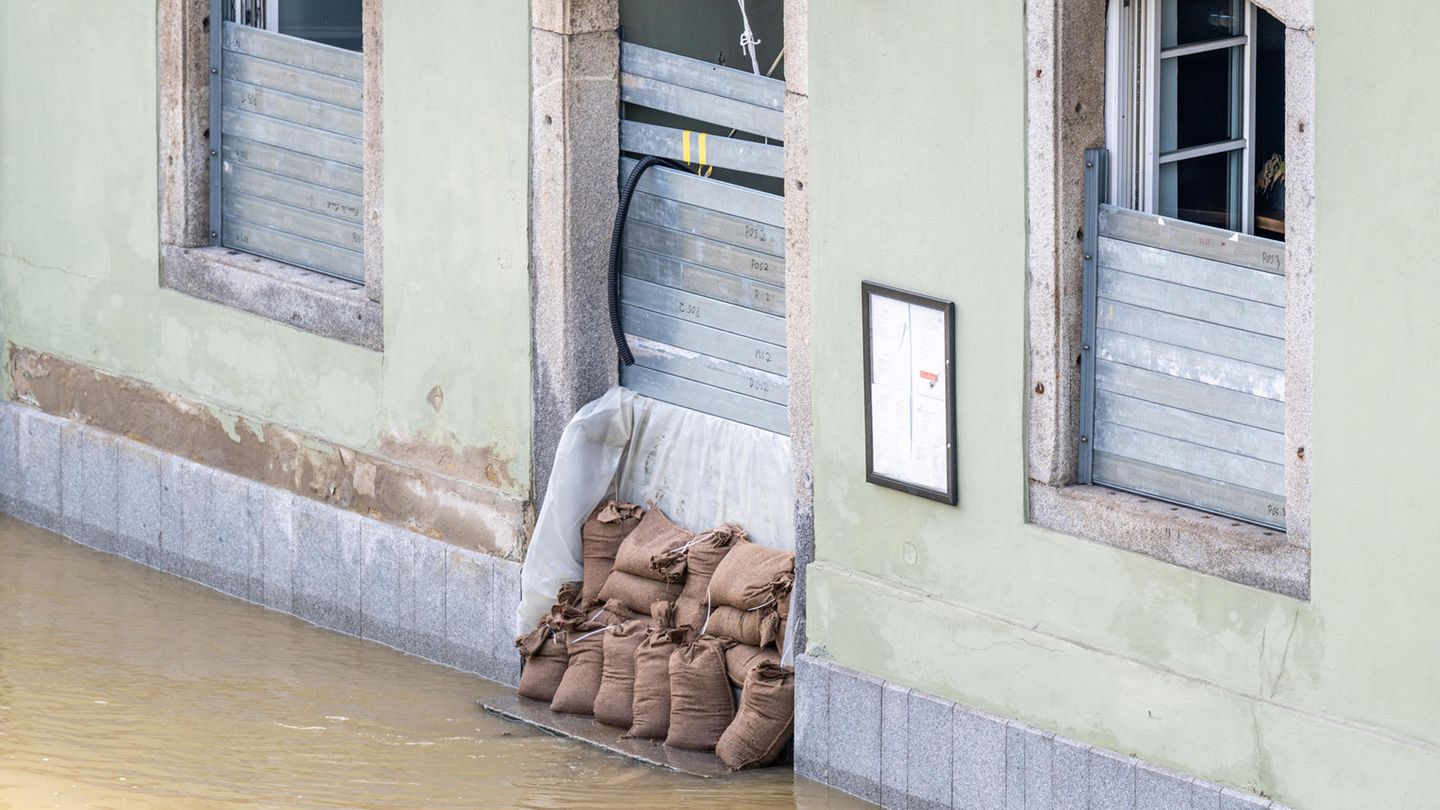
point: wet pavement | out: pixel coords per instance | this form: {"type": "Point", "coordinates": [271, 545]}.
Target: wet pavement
{"type": "Point", "coordinates": [124, 687]}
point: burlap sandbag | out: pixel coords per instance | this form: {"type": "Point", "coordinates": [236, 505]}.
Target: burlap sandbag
{"type": "Point", "coordinates": [758, 628]}
{"type": "Point", "coordinates": [600, 539]}
{"type": "Point", "coordinates": [655, 550]}
{"type": "Point", "coordinates": [576, 693]}
{"type": "Point", "coordinates": [651, 705]}
{"type": "Point", "coordinates": [614, 703]}
{"type": "Point", "coordinates": [702, 558]}
{"type": "Point", "coordinates": [765, 722]}
{"type": "Point", "coordinates": [636, 593]}
{"type": "Point", "coordinates": [741, 658]}
{"type": "Point", "coordinates": [542, 651]}
{"type": "Point", "coordinates": [701, 704]}
{"type": "Point", "coordinates": [751, 576]}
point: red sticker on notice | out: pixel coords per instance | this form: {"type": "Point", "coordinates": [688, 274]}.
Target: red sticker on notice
{"type": "Point", "coordinates": [930, 375]}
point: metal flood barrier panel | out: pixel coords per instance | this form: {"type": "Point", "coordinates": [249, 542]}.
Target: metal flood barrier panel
{"type": "Point", "coordinates": [702, 288]}
{"type": "Point", "coordinates": [1182, 362]}
{"type": "Point", "coordinates": [290, 143]}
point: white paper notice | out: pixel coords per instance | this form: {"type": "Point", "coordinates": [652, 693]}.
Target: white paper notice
{"type": "Point", "coordinates": [909, 428]}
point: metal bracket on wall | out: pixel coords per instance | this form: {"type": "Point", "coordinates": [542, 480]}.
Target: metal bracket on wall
{"type": "Point", "coordinates": [1097, 181]}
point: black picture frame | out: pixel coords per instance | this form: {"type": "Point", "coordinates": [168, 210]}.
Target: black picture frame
{"type": "Point", "coordinates": [951, 494]}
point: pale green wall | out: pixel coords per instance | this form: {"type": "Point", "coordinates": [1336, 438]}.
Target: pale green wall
{"type": "Point", "coordinates": [79, 259]}
{"type": "Point", "coordinates": [917, 178]}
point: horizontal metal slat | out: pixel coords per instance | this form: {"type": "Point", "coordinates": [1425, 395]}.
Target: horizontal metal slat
{"type": "Point", "coordinates": [705, 252]}
{"type": "Point", "coordinates": [696, 74]}
{"type": "Point", "coordinates": [705, 192]}
{"type": "Point", "coordinates": [293, 51]}
{"type": "Point", "coordinates": [1191, 303]}
{"type": "Point", "coordinates": [1193, 271]}
{"type": "Point", "coordinates": [270, 214]}
{"type": "Point", "coordinates": [717, 284]}
{"type": "Point", "coordinates": [704, 340]}
{"type": "Point", "coordinates": [704, 311]}
{"type": "Point", "coordinates": [1188, 395]}
{"type": "Point", "coordinates": [296, 81]}
{"type": "Point", "coordinates": [294, 137]}
{"type": "Point", "coordinates": [725, 153]}
{"type": "Point", "coordinates": [708, 223]}
{"type": "Point", "coordinates": [1189, 364]}
{"type": "Point", "coordinates": [1175, 454]}
{"type": "Point", "coordinates": [305, 112]}
{"type": "Point", "coordinates": [297, 193]}
{"type": "Point", "coordinates": [706, 399]}
{"type": "Point", "coordinates": [1195, 240]}
{"type": "Point", "coordinates": [293, 249]}
{"type": "Point", "coordinates": [1178, 487]}
{"type": "Point", "coordinates": [710, 370]}
{"type": "Point", "coordinates": [1210, 338]}
{"type": "Point", "coordinates": [1195, 428]}
{"type": "Point", "coordinates": [699, 105]}
{"type": "Point", "coordinates": [310, 169]}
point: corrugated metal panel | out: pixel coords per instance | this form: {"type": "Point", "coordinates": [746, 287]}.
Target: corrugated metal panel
{"type": "Point", "coordinates": [703, 265]}
{"type": "Point", "coordinates": [1184, 385]}
{"type": "Point", "coordinates": [291, 150]}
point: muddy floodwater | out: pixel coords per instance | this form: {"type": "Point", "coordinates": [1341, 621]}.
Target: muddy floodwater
{"type": "Point", "coordinates": [128, 688]}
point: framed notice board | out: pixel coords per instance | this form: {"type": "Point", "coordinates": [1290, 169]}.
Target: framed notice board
{"type": "Point", "coordinates": [909, 392]}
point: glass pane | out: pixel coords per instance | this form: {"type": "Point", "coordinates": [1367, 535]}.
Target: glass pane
{"type": "Point", "coordinates": [1205, 189]}
{"type": "Point", "coordinates": [1269, 126]}
{"type": "Point", "coordinates": [1185, 22]}
{"type": "Point", "coordinates": [333, 22]}
{"type": "Point", "coordinates": [1200, 98]}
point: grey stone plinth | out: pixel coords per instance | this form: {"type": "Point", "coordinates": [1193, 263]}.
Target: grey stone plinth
{"type": "Point", "coordinates": [1070, 774]}
{"type": "Point", "coordinates": [855, 703]}
{"type": "Point", "coordinates": [225, 557]}
{"type": "Point", "coordinates": [812, 718]}
{"type": "Point", "coordinates": [327, 566]}
{"type": "Point", "coordinates": [894, 746]}
{"type": "Point", "coordinates": [9, 465]}
{"type": "Point", "coordinates": [387, 585]}
{"type": "Point", "coordinates": [1232, 799]}
{"type": "Point", "coordinates": [506, 600]}
{"type": "Point", "coordinates": [99, 491]}
{"type": "Point", "coordinates": [430, 570]}
{"type": "Point", "coordinates": [274, 548]}
{"type": "Point", "coordinates": [930, 760]}
{"type": "Point", "coordinates": [1112, 781]}
{"type": "Point", "coordinates": [979, 760]}
{"type": "Point", "coordinates": [1157, 788]}
{"type": "Point", "coordinates": [1039, 770]}
{"type": "Point", "coordinates": [468, 611]}
{"type": "Point", "coordinates": [1204, 795]}
{"type": "Point", "coordinates": [37, 443]}
{"type": "Point", "coordinates": [72, 485]}
{"type": "Point", "coordinates": [138, 524]}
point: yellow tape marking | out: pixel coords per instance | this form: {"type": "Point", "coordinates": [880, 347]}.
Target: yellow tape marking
{"type": "Point", "coordinates": [702, 149]}
{"type": "Point", "coordinates": [685, 147]}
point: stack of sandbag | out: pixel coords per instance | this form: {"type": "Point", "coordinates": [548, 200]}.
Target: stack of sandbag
{"type": "Point", "coordinates": [635, 582]}
{"type": "Point", "coordinates": [542, 650]}
{"type": "Point", "coordinates": [651, 703]}
{"type": "Point", "coordinates": [740, 659]}
{"type": "Point", "coordinates": [749, 597]}
{"type": "Point", "coordinates": [701, 559]}
{"type": "Point", "coordinates": [765, 722]}
{"type": "Point", "coordinates": [614, 700]}
{"type": "Point", "coordinates": [600, 539]}
{"type": "Point", "coordinates": [701, 703]}
{"type": "Point", "coordinates": [584, 646]}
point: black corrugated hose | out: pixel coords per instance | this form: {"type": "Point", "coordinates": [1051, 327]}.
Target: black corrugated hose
{"type": "Point", "coordinates": [626, 192]}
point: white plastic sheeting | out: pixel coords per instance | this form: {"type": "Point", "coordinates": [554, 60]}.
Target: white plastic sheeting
{"type": "Point", "coordinates": [699, 469]}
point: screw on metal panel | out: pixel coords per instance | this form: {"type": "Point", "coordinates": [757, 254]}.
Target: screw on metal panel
{"type": "Point", "coordinates": [1084, 439]}
{"type": "Point", "coordinates": [1087, 257]}
{"type": "Point", "coordinates": [1089, 164]}
{"type": "Point", "coordinates": [214, 70]}
{"type": "Point", "coordinates": [213, 153]}
{"type": "Point", "coordinates": [213, 234]}
{"type": "Point", "coordinates": [1085, 347]}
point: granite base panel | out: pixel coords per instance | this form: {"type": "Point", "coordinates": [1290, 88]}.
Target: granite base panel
{"type": "Point", "coordinates": [902, 748]}
{"type": "Point", "coordinates": [329, 566]}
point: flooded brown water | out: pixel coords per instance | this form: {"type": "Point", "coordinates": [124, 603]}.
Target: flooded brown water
{"type": "Point", "coordinates": [122, 687]}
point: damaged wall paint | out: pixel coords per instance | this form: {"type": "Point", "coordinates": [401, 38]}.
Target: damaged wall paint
{"type": "Point", "coordinates": [79, 251]}
{"type": "Point", "coordinates": [1328, 703]}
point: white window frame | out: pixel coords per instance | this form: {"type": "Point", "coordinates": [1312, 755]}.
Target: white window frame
{"type": "Point", "coordinates": [1132, 106]}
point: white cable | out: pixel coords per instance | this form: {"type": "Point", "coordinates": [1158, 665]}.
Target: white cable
{"type": "Point", "coordinates": [748, 40]}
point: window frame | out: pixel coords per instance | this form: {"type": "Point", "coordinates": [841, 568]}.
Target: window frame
{"type": "Point", "coordinates": [189, 263]}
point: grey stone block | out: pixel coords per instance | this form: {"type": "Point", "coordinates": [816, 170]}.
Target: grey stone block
{"type": "Point", "coordinates": [1112, 781]}
{"type": "Point", "coordinates": [327, 566]}
{"type": "Point", "coordinates": [894, 742]}
{"type": "Point", "coordinates": [506, 599]}
{"type": "Point", "coordinates": [930, 728]}
{"type": "Point", "coordinates": [979, 769]}
{"type": "Point", "coordinates": [1158, 788]}
{"type": "Point", "coordinates": [430, 570]}
{"type": "Point", "coordinates": [469, 580]}
{"type": "Point", "coordinates": [271, 509]}
{"type": "Point", "coordinates": [855, 751]}
{"type": "Point", "coordinates": [1039, 770]}
{"type": "Point", "coordinates": [1070, 774]}
{"type": "Point", "coordinates": [1233, 799]}
{"type": "Point", "coordinates": [387, 585]}
{"type": "Point", "coordinates": [196, 521]}
{"type": "Point", "coordinates": [1204, 795]}
{"type": "Point", "coordinates": [1015, 764]}
{"type": "Point", "coordinates": [37, 452]}
{"type": "Point", "coordinates": [9, 464]}
{"type": "Point", "coordinates": [72, 483]}
{"type": "Point", "coordinates": [227, 552]}
{"type": "Point", "coordinates": [812, 718]}
{"type": "Point", "coordinates": [170, 555]}
{"type": "Point", "coordinates": [99, 490]}
{"type": "Point", "coordinates": [141, 499]}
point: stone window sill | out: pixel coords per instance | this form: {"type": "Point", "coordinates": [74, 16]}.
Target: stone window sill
{"type": "Point", "coordinates": [306, 300]}
{"type": "Point", "coordinates": [1240, 552]}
